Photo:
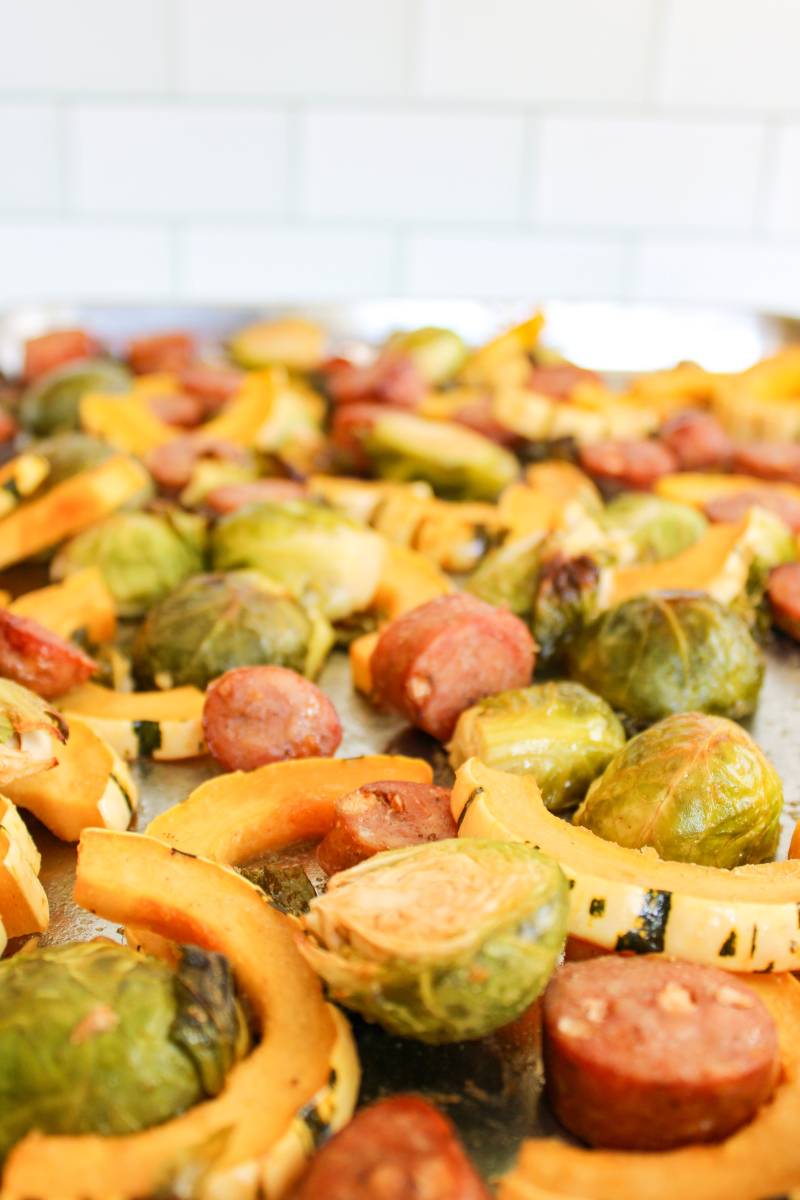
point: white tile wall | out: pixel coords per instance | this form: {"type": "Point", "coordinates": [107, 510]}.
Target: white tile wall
{"type": "Point", "coordinates": [258, 149]}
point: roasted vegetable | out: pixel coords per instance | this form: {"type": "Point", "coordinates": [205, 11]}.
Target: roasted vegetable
{"type": "Point", "coordinates": [694, 787]}
{"type": "Point", "coordinates": [290, 341]}
{"type": "Point", "coordinates": [81, 607]}
{"type": "Point", "coordinates": [655, 527]}
{"type": "Point", "coordinates": [20, 478]}
{"type": "Point", "coordinates": [214, 622]}
{"type": "Point", "coordinates": [142, 556]}
{"type": "Point", "coordinates": [440, 942]}
{"type": "Point", "coordinates": [744, 919]}
{"type": "Point", "coordinates": [566, 599]}
{"type": "Point", "coordinates": [23, 900]}
{"type": "Point", "coordinates": [286, 884]}
{"type": "Point", "coordinates": [669, 652]}
{"type": "Point", "coordinates": [163, 725]}
{"type": "Point", "coordinates": [508, 575]}
{"type": "Point", "coordinates": [136, 1041]}
{"type": "Point", "coordinates": [30, 731]}
{"type": "Point", "coordinates": [68, 454]}
{"type": "Point", "coordinates": [436, 353]}
{"type": "Point", "coordinates": [559, 732]}
{"type": "Point", "coordinates": [321, 556]}
{"type": "Point", "coordinates": [51, 403]}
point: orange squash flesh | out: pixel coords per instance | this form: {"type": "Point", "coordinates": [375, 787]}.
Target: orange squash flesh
{"type": "Point", "coordinates": [761, 1159]}
{"type": "Point", "coordinates": [128, 877]}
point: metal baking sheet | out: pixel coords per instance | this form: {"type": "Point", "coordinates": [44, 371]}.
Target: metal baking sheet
{"type": "Point", "coordinates": [492, 1089]}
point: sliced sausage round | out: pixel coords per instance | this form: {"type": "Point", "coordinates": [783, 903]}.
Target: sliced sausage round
{"type": "Point", "coordinates": [769, 460]}
{"type": "Point", "coordinates": [177, 409]}
{"type": "Point", "coordinates": [401, 1148]}
{"type": "Point", "coordinates": [384, 816]}
{"type": "Point", "coordinates": [171, 464]}
{"type": "Point", "coordinates": [391, 379]}
{"type": "Point", "coordinates": [44, 662]}
{"type": "Point", "coordinates": [51, 350]}
{"type": "Point", "coordinates": [478, 415]}
{"type": "Point", "coordinates": [697, 440]}
{"type": "Point", "coordinates": [213, 384]}
{"type": "Point", "coordinates": [783, 591]}
{"type": "Point", "coordinates": [258, 715]}
{"type": "Point", "coordinates": [734, 506]}
{"type": "Point", "coordinates": [232, 496]}
{"type": "Point", "coordinates": [161, 352]}
{"type": "Point", "coordinates": [435, 661]}
{"type": "Point", "coordinates": [633, 465]}
{"type": "Point", "coordinates": [649, 1054]}
{"type": "Point", "coordinates": [560, 380]}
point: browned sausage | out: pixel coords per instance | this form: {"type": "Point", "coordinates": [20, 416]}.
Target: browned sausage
{"type": "Point", "coordinates": [8, 426]}
{"type": "Point", "coordinates": [697, 440]}
{"type": "Point", "coordinates": [783, 590]}
{"type": "Point", "coordinates": [478, 415]}
{"type": "Point", "coordinates": [161, 352]}
{"type": "Point", "coordinates": [171, 465]}
{"type": "Point", "coordinates": [231, 496]}
{"type": "Point", "coordinates": [41, 660]}
{"type": "Point", "coordinates": [385, 816]}
{"type": "Point", "coordinates": [433, 662]}
{"type": "Point", "coordinates": [634, 465]}
{"type": "Point", "coordinates": [351, 422]}
{"type": "Point", "coordinates": [733, 507]}
{"type": "Point", "coordinates": [397, 1149]}
{"type": "Point", "coordinates": [560, 380]}
{"type": "Point", "coordinates": [391, 379]}
{"type": "Point", "coordinates": [51, 350]}
{"type": "Point", "coordinates": [177, 409]}
{"type": "Point", "coordinates": [213, 384]}
{"type": "Point", "coordinates": [769, 460]}
{"type": "Point", "coordinates": [648, 1053]}
{"type": "Point", "coordinates": [258, 715]}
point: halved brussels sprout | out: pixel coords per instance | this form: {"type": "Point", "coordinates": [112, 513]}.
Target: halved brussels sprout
{"type": "Point", "coordinates": [319, 554]}
{"type": "Point", "coordinates": [142, 556]}
{"type": "Point", "coordinates": [29, 732]}
{"type": "Point", "coordinates": [458, 463]}
{"type": "Point", "coordinates": [437, 353]}
{"type": "Point", "coordinates": [97, 1038]}
{"type": "Point", "coordinates": [559, 732]}
{"type": "Point", "coordinates": [51, 403]}
{"type": "Point", "coordinates": [773, 543]}
{"type": "Point", "coordinates": [214, 622]}
{"type": "Point", "coordinates": [669, 652]}
{"type": "Point", "coordinates": [695, 788]}
{"type": "Point", "coordinates": [566, 600]}
{"type": "Point", "coordinates": [440, 942]}
{"type": "Point", "coordinates": [69, 453]}
{"type": "Point", "coordinates": [655, 527]}
{"type": "Point", "coordinates": [508, 574]}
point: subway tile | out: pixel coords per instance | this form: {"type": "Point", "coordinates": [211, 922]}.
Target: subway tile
{"type": "Point", "coordinates": [752, 273]}
{"type": "Point", "coordinates": [31, 177]}
{"type": "Point", "coordinates": [783, 195]}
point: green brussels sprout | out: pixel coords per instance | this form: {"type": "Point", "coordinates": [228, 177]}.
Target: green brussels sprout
{"type": "Point", "coordinates": [286, 884]}
{"type": "Point", "coordinates": [565, 601]}
{"type": "Point", "coordinates": [98, 1038]}
{"type": "Point", "coordinates": [441, 942]}
{"type": "Point", "coordinates": [773, 543]}
{"type": "Point", "coordinates": [508, 574]}
{"type": "Point", "coordinates": [437, 353]}
{"type": "Point", "coordinates": [457, 462]}
{"type": "Point", "coordinates": [142, 556]}
{"type": "Point", "coordinates": [214, 622]}
{"type": "Point", "coordinates": [668, 652]}
{"type": "Point", "coordinates": [559, 732]}
{"type": "Point", "coordinates": [656, 528]}
{"type": "Point", "coordinates": [51, 403]}
{"type": "Point", "coordinates": [29, 732]}
{"type": "Point", "coordinates": [70, 453]}
{"type": "Point", "coordinates": [323, 557]}
{"type": "Point", "coordinates": [693, 787]}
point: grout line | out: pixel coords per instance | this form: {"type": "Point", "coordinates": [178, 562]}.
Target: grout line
{"type": "Point", "coordinates": [64, 159]}
{"type": "Point", "coordinates": [295, 155]}
{"type": "Point", "coordinates": [768, 163]}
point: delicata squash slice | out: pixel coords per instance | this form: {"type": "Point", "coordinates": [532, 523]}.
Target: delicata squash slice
{"type": "Point", "coordinates": [760, 1159]}
{"type": "Point", "coordinates": [746, 919]}
{"type": "Point", "coordinates": [161, 725]}
{"type": "Point", "coordinates": [23, 902]}
{"type": "Point", "coordinates": [81, 603]}
{"type": "Point", "coordinates": [247, 1141]}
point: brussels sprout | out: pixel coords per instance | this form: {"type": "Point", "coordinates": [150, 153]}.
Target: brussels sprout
{"type": "Point", "coordinates": [559, 732]}
{"type": "Point", "coordinates": [286, 884]}
{"type": "Point", "coordinates": [437, 353]}
{"type": "Point", "coordinates": [566, 600]}
{"type": "Point", "coordinates": [29, 731]}
{"type": "Point", "coordinates": [320, 555]}
{"type": "Point", "coordinates": [457, 462]}
{"type": "Point", "coordinates": [656, 528]}
{"type": "Point", "coordinates": [669, 652]}
{"type": "Point", "coordinates": [97, 1038]}
{"type": "Point", "coordinates": [507, 575]}
{"type": "Point", "coordinates": [773, 543]}
{"type": "Point", "coordinates": [440, 942]}
{"type": "Point", "coordinates": [695, 788]}
{"type": "Point", "coordinates": [214, 622]}
{"type": "Point", "coordinates": [70, 453]}
{"type": "Point", "coordinates": [51, 403]}
{"type": "Point", "coordinates": [142, 556]}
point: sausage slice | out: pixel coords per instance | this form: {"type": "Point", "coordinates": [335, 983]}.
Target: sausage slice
{"type": "Point", "coordinates": [783, 591]}
{"type": "Point", "coordinates": [632, 465]}
{"type": "Point", "coordinates": [232, 496]}
{"type": "Point", "coordinates": [161, 352]}
{"type": "Point", "coordinates": [734, 506]}
{"type": "Point", "coordinates": [40, 660]}
{"type": "Point", "coordinates": [697, 440]}
{"type": "Point", "coordinates": [210, 383]}
{"type": "Point", "coordinates": [391, 379]}
{"type": "Point", "coordinates": [560, 380]}
{"type": "Point", "coordinates": [172, 463]}
{"type": "Point", "coordinates": [177, 409]}
{"type": "Point", "coordinates": [769, 460]}
{"type": "Point", "coordinates": [649, 1054]}
{"type": "Point", "coordinates": [397, 1149]}
{"type": "Point", "coordinates": [435, 661]}
{"type": "Point", "coordinates": [258, 715]}
{"type": "Point", "coordinates": [51, 350]}
{"type": "Point", "coordinates": [384, 816]}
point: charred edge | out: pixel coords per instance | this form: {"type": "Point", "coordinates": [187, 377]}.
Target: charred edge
{"type": "Point", "coordinates": [473, 796]}
{"type": "Point", "coordinates": [798, 916]}
{"type": "Point", "coordinates": [12, 487]}
{"type": "Point", "coordinates": [651, 925]}
{"type": "Point", "coordinates": [61, 724]}
{"type": "Point", "coordinates": [148, 737]}
{"type": "Point", "coordinates": [767, 970]}
{"type": "Point", "coordinates": [125, 793]}
{"type": "Point", "coordinates": [728, 947]}
{"type": "Point", "coordinates": [570, 881]}
{"type": "Point", "coordinates": [183, 853]}
{"type": "Point", "coordinates": [597, 907]}
{"type": "Point", "coordinates": [753, 941]}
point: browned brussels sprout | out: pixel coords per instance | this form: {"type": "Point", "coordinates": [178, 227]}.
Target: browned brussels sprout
{"type": "Point", "coordinates": [566, 600]}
